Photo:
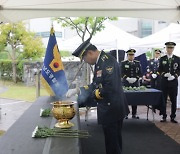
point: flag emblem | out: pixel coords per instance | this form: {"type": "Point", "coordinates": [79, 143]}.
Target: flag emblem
{"type": "Point", "coordinates": [56, 64]}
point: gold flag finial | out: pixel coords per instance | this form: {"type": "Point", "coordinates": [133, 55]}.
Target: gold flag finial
{"type": "Point", "coordinates": [52, 29]}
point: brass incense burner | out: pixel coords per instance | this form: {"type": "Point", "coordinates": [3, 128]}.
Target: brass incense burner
{"type": "Point", "coordinates": [63, 111]}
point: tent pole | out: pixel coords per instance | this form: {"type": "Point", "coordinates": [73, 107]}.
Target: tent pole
{"type": "Point", "coordinates": [117, 53]}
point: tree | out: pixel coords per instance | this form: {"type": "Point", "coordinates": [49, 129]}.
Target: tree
{"type": "Point", "coordinates": [23, 44]}
{"type": "Point", "coordinates": [84, 26]}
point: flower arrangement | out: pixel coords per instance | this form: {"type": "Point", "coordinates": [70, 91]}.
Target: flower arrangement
{"type": "Point", "coordinates": [45, 112]}
{"type": "Point", "coordinates": [141, 88]}
{"type": "Point", "coordinates": [43, 132]}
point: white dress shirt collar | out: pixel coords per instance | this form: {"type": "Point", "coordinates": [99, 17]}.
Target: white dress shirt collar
{"type": "Point", "coordinates": [98, 57]}
{"type": "Point", "coordinates": [170, 56]}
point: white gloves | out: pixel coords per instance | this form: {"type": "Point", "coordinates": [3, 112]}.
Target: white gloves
{"type": "Point", "coordinates": [72, 92]}
{"type": "Point", "coordinates": [154, 76]}
{"type": "Point", "coordinates": [131, 80]}
{"type": "Point", "coordinates": [171, 78]}
{"type": "Point", "coordinates": [167, 75]}
{"type": "Point", "coordinates": [128, 79]}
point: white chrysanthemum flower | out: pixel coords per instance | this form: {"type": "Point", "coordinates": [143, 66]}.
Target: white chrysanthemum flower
{"type": "Point", "coordinates": [34, 132]}
{"type": "Point", "coordinates": [41, 111]}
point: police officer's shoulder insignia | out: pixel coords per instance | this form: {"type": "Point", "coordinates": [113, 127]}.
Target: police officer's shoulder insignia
{"type": "Point", "coordinates": [109, 69]}
{"type": "Point", "coordinates": [164, 56]}
{"type": "Point", "coordinates": [104, 57]}
{"type": "Point", "coordinates": [86, 87]}
{"type": "Point", "coordinates": [137, 61]}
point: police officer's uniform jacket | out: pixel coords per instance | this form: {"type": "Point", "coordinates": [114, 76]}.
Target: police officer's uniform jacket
{"type": "Point", "coordinates": [154, 66]}
{"type": "Point", "coordinates": [106, 89]}
{"type": "Point", "coordinates": [170, 88]}
{"type": "Point", "coordinates": [171, 66]}
{"type": "Point", "coordinates": [131, 70]}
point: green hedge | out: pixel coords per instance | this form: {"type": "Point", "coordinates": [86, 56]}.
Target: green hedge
{"type": "Point", "coordinates": [6, 69]}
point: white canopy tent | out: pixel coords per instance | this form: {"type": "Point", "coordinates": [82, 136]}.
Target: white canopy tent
{"type": "Point", "coordinates": [170, 33]}
{"type": "Point", "coordinates": [16, 10]}
{"type": "Point", "coordinates": [109, 38]}
{"type": "Point", "coordinates": [157, 40]}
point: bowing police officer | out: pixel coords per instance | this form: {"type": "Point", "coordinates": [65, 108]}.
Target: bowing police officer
{"type": "Point", "coordinates": [153, 66]}
{"type": "Point", "coordinates": [169, 69]}
{"type": "Point", "coordinates": [106, 89]}
{"type": "Point", "coordinates": [131, 72]}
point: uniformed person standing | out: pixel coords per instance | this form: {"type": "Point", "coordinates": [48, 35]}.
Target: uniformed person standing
{"type": "Point", "coordinates": [146, 79]}
{"type": "Point", "coordinates": [106, 89]}
{"type": "Point", "coordinates": [131, 72]}
{"type": "Point", "coordinates": [153, 66]}
{"type": "Point", "coordinates": [169, 69]}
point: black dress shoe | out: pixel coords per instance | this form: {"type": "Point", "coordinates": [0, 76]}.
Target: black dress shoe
{"type": "Point", "coordinates": [135, 117]}
{"type": "Point", "coordinates": [174, 121]}
{"type": "Point", "coordinates": [163, 120]}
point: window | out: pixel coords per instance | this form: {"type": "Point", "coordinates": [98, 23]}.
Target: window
{"type": "Point", "coordinates": [46, 34]}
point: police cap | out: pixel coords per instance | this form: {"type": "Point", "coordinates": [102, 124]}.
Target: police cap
{"type": "Point", "coordinates": [83, 48]}
{"type": "Point", "coordinates": [157, 51]}
{"type": "Point", "coordinates": [131, 52]}
{"type": "Point", "coordinates": [170, 44]}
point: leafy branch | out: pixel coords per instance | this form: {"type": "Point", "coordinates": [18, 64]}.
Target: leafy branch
{"type": "Point", "coordinates": [84, 26]}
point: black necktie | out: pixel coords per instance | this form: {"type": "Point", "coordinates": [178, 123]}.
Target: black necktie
{"type": "Point", "coordinates": [169, 60]}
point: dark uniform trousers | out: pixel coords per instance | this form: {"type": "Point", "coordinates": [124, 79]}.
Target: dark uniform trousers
{"type": "Point", "coordinates": [169, 88]}
{"type": "Point", "coordinates": [106, 90]}
{"type": "Point", "coordinates": [113, 137]}
{"type": "Point", "coordinates": [131, 69]}
{"type": "Point", "coordinates": [135, 84]}
{"type": "Point", "coordinates": [156, 83]}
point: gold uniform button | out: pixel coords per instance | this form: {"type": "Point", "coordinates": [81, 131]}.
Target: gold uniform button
{"type": "Point", "coordinates": [109, 103]}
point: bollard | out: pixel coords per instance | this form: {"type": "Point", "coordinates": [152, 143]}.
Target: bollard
{"type": "Point", "coordinates": [38, 83]}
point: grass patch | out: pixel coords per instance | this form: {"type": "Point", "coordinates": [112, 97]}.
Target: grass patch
{"type": "Point", "coordinates": [20, 91]}
{"type": "Point", "coordinates": [2, 132]}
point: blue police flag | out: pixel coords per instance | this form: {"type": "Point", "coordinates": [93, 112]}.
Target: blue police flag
{"type": "Point", "coordinates": [53, 76]}
{"type": "Point", "coordinates": [144, 63]}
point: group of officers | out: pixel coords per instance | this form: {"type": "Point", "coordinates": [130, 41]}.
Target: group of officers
{"type": "Point", "coordinates": [163, 75]}
{"type": "Point", "coordinates": [106, 87]}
